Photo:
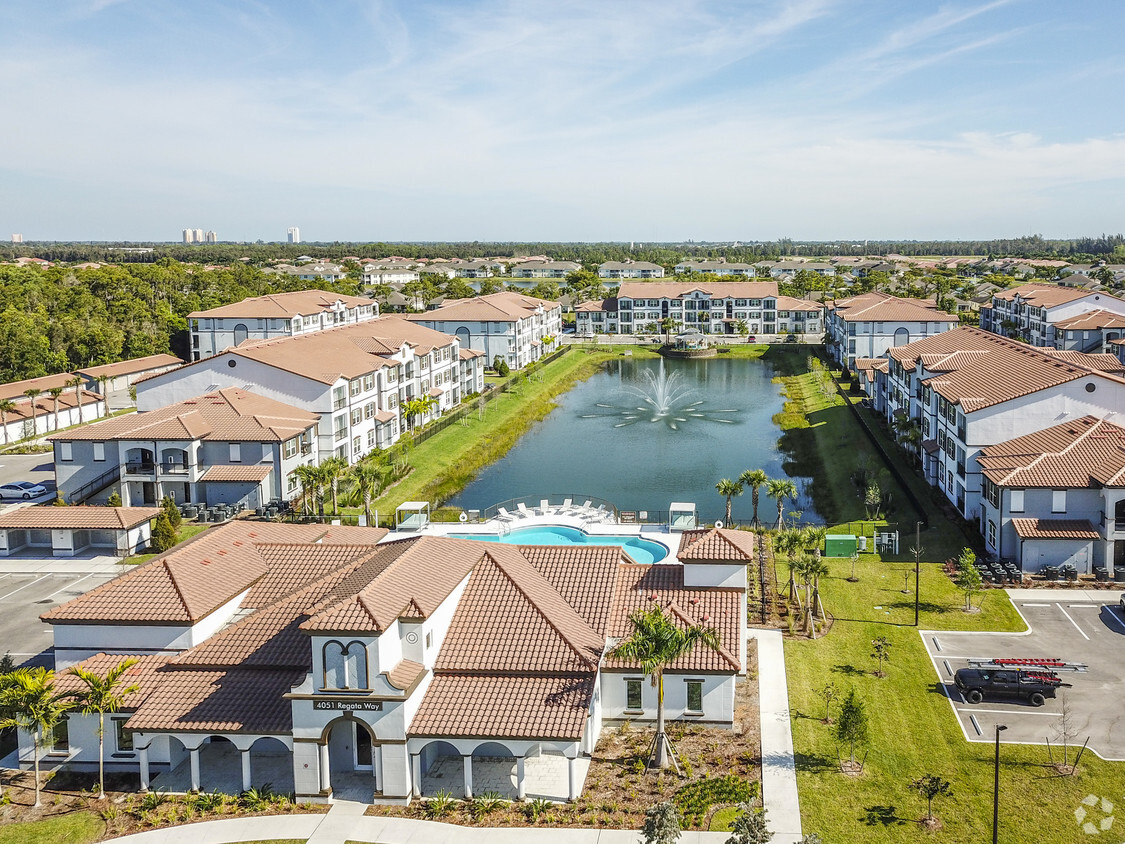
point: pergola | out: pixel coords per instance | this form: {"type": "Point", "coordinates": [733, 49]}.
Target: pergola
{"type": "Point", "coordinates": [412, 515]}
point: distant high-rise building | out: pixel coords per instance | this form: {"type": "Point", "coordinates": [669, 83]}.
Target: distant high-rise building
{"type": "Point", "coordinates": [198, 235]}
{"type": "Point", "coordinates": [211, 237]}
{"type": "Point", "coordinates": [17, 238]}
{"type": "Point", "coordinates": [294, 234]}
{"type": "Point", "coordinates": [189, 235]}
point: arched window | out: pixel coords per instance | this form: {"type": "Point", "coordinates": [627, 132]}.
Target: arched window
{"type": "Point", "coordinates": [345, 667]}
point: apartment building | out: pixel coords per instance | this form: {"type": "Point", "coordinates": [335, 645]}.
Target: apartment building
{"type": "Point", "coordinates": [545, 269]}
{"type": "Point", "coordinates": [516, 328]}
{"type": "Point", "coordinates": [630, 269]}
{"type": "Point", "coordinates": [1032, 312]}
{"type": "Point", "coordinates": [229, 446]}
{"type": "Point", "coordinates": [1057, 497]}
{"type": "Point", "coordinates": [866, 326]}
{"type": "Point", "coordinates": [56, 401]}
{"type": "Point", "coordinates": [357, 378]}
{"type": "Point", "coordinates": [715, 268]}
{"type": "Point", "coordinates": [967, 389]}
{"type": "Point", "coordinates": [1092, 331]}
{"type": "Point", "coordinates": [723, 307]}
{"type": "Point", "coordinates": [275, 315]}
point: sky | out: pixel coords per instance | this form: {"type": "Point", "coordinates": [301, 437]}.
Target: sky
{"type": "Point", "coordinates": [561, 120]}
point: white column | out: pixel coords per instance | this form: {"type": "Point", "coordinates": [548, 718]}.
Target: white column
{"type": "Point", "coordinates": [521, 791]}
{"type": "Point", "coordinates": [416, 770]}
{"type": "Point", "coordinates": [572, 777]}
{"type": "Point", "coordinates": [325, 774]}
{"type": "Point", "coordinates": [468, 760]}
{"type": "Point", "coordinates": [144, 768]}
{"type": "Point", "coordinates": [194, 756]}
{"type": "Point", "coordinates": [246, 769]}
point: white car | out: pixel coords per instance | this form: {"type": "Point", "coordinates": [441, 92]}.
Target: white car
{"type": "Point", "coordinates": [22, 489]}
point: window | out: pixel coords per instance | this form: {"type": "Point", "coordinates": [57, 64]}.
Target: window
{"type": "Point", "coordinates": [1058, 500]}
{"type": "Point", "coordinates": [371, 438]}
{"type": "Point", "coordinates": [991, 534]}
{"type": "Point", "coordinates": [66, 452]}
{"type": "Point", "coordinates": [368, 382]}
{"type": "Point", "coordinates": [633, 695]}
{"type": "Point", "coordinates": [60, 738]}
{"type": "Point", "coordinates": [293, 484]}
{"type": "Point", "coordinates": [694, 695]}
{"type": "Point", "coordinates": [345, 668]}
{"type": "Point", "coordinates": [355, 387]}
{"type": "Point", "coordinates": [357, 415]}
{"type": "Point", "coordinates": [235, 453]}
{"type": "Point", "coordinates": [1016, 501]}
{"type": "Point", "coordinates": [123, 737]}
{"type": "Point", "coordinates": [291, 446]}
{"type": "Point", "coordinates": [357, 446]}
{"type": "Point", "coordinates": [339, 397]}
{"type": "Point", "coordinates": [429, 640]}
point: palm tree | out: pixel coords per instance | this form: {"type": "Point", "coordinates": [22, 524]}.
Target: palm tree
{"type": "Point", "coordinates": [755, 479]}
{"type": "Point", "coordinates": [29, 702]}
{"type": "Point", "coordinates": [815, 570]}
{"type": "Point", "coordinates": [728, 488]}
{"type": "Point", "coordinates": [33, 395]}
{"type": "Point", "coordinates": [102, 695]}
{"type": "Point", "coordinates": [363, 481]}
{"type": "Point", "coordinates": [655, 643]}
{"type": "Point", "coordinates": [333, 470]}
{"type": "Point", "coordinates": [54, 393]}
{"type": "Point", "coordinates": [76, 383]}
{"type": "Point", "coordinates": [413, 408]}
{"type": "Point", "coordinates": [6, 407]}
{"type": "Point", "coordinates": [779, 489]}
{"type": "Point", "coordinates": [789, 543]}
{"type": "Point", "coordinates": [307, 476]}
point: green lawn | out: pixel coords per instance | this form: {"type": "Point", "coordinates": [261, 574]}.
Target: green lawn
{"type": "Point", "coordinates": [187, 531]}
{"type": "Point", "coordinates": [913, 731]}
{"type": "Point", "coordinates": [73, 828]}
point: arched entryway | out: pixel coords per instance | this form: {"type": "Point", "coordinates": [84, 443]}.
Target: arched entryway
{"type": "Point", "coordinates": [354, 759]}
{"type": "Point", "coordinates": [440, 769]}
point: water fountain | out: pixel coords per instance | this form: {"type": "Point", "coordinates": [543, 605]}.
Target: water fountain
{"type": "Point", "coordinates": [665, 399]}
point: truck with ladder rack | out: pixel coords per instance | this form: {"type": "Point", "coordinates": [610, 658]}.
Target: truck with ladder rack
{"type": "Point", "coordinates": [1030, 679]}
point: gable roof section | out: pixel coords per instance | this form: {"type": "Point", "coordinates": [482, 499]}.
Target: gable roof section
{"type": "Point", "coordinates": [282, 305]}
{"type": "Point", "coordinates": [44, 516]}
{"type": "Point", "coordinates": [1078, 454]}
{"type": "Point", "coordinates": [130, 367]}
{"type": "Point", "coordinates": [882, 307]}
{"type": "Point", "coordinates": [1054, 529]}
{"type": "Point", "coordinates": [504, 306]}
{"type": "Point", "coordinates": [585, 576]}
{"type": "Point", "coordinates": [1095, 319]}
{"type": "Point", "coordinates": [717, 289]}
{"type": "Point", "coordinates": [717, 545]}
{"type": "Point", "coordinates": [1042, 295]}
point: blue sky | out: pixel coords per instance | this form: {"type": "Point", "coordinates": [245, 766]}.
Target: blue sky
{"type": "Point", "coordinates": [561, 119]}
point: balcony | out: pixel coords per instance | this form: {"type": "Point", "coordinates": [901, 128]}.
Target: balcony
{"type": "Point", "coordinates": [340, 434]}
{"type": "Point", "coordinates": [140, 467]}
{"type": "Point", "coordinates": [175, 468]}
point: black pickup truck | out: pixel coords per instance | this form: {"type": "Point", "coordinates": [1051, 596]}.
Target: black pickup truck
{"type": "Point", "coordinates": [1034, 685]}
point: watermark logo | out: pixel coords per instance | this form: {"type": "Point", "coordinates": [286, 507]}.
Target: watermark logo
{"type": "Point", "coordinates": [1095, 815]}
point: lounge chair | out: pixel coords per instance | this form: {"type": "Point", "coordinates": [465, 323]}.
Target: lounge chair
{"type": "Point", "coordinates": [586, 505]}
{"type": "Point", "coordinates": [544, 507]}
{"type": "Point", "coordinates": [567, 505]}
{"type": "Point", "coordinates": [524, 511]}
{"type": "Point", "coordinates": [503, 515]}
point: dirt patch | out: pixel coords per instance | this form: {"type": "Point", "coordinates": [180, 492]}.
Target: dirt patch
{"type": "Point", "coordinates": [617, 790]}
{"type": "Point", "coordinates": [123, 810]}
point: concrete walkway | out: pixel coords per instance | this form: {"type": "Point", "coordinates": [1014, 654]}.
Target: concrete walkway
{"type": "Point", "coordinates": [779, 770]}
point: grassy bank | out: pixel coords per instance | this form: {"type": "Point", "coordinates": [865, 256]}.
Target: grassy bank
{"type": "Point", "coordinates": [913, 731]}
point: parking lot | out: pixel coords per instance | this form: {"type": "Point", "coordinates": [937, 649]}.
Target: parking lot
{"type": "Point", "coordinates": [29, 587]}
{"type": "Point", "coordinates": [1075, 626]}
{"type": "Point", "coordinates": [37, 468]}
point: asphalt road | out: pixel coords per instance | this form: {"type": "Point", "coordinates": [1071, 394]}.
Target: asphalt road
{"type": "Point", "coordinates": [24, 595]}
{"type": "Point", "coordinates": [1066, 626]}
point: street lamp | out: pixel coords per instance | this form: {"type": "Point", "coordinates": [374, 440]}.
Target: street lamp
{"type": "Point", "coordinates": [917, 557]}
{"type": "Point", "coordinates": [996, 786]}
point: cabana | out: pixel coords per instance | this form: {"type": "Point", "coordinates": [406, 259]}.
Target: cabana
{"type": "Point", "coordinates": [412, 515]}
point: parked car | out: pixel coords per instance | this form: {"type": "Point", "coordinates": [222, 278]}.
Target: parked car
{"type": "Point", "coordinates": [751, 339]}
{"type": "Point", "coordinates": [22, 489]}
{"type": "Point", "coordinates": [1034, 685]}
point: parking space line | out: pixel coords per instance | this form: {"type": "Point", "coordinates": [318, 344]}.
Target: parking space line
{"type": "Point", "coordinates": [72, 584]}
{"type": "Point", "coordinates": [14, 591]}
{"type": "Point", "coordinates": [1113, 615]}
{"type": "Point", "coordinates": [1008, 712]}
{"type": "Point", "coordinates": [976, 726]}
{"type": "Point", "coordinates": [1083, 606]}
{"type": "Point", "coordinates": [1035, 605]}
{"type": "Point", "coordinates": [1072, 621]}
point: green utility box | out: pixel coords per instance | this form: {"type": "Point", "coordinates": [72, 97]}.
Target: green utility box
{"type": "Point", "coordinates": [840, 545]}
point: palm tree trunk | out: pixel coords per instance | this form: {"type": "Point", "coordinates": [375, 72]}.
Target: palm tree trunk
{"type": "Point", "coordinates": [367, 507]}
{"type": "Point", "coordinates": [35, 753]}
{"type": "Point", "coordinates": [661, 742]}
{"type": "Point", "coordinates": [780, 507]}
{"type": "Point", "coordinates": [728, 509]}
{"type": "Point", "coordinates": [101, 756]}
{"type": "Point", "coordinates": [756, 522]}
{"type": "Point", "coordinates": [4, 423]}
{"type": "Point", "coordinates": [335, 505]}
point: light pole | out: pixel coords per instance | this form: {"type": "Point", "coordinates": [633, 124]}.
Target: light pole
{"type": "Point", "coordinates": [996, 786]}
{"type": "Point", "coordinates": [917, 557]}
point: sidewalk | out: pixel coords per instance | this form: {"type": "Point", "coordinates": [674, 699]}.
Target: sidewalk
{"type": "Point", "coordinates": [779, 771]}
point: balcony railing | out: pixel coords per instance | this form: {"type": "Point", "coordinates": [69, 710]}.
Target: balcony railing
{"type": "Point", "coordinates": [140, 467]}
{"type": "Point", "coordinates": [175, 468]}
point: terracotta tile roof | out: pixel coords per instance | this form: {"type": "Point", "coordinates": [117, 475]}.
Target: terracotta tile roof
{"type": "Point", "coordinates": [1094, 319]}
{"type": "Point", "coordinates": [230, 701]}
{"type": "Point", "coordinates": [469, 354]}
{"type": "Point", "coordinates": [403, 675]}
{"type": "Point", "coordinates": [598, 305]}
{"type": "Point", "coordinates": [143, 674]}
{"type": "Point", "coordinates": [717, 545]}
{"type": "Point", "coordinates": [869, 364]}
{"type": "Point", "coordinates": [15, 389]}
{"type": "Point", "coordinates": [1054, 529]}
{"type": "Point", "coordinates": [1042, 295]}
{"type": "Point", "coordinates": [506, 594]}
{"type": "Point", "coordinates": [233, 473]}
{"type": "Point", "coordinates": [584, 576]}
{"type": "Point", "coordinates": [717, 289]}
{"type": "Point", "coordinates": [505, 707]}
{"type": "Point", "coordinates": [85, 518]}
{"type": "Point", "coordinates": [283, 305]}
{"type": "Point", "coordinates": [346, 351]}
{"type": "Point", "coordinates": [373, 603]}
{"type": "Point", "coordinates": [718, 608]}
{"type": "Point", "coordinates": [882, 307]}
{"type": "Point", "coordinates": [130, 367]}
{"type": "Point", "coordinates": [504, 306]}
{"type": "Point", "coordinates": [1082, 453]}
{"type": "Point", "coordinates": [788, 303]}
{"type": "Point", "coordinates": [1100, 362]}
{"type": "Point", "coordinates": [295, 565]}
{"type": "Point", "coordinates": [230, 415]}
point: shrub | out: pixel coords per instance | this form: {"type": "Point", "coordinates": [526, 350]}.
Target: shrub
{"type": "Point", "coordinates": [114, 499]}
{"type": "Point", "coordinates": [486, 804]}
{"type": "Point", "coordinates": [695, 799]}
{"type": "Point", "coordinates": [153, 801]}
{"type": "Point", "coordinates": [662, 824]}
{"type": "Point", "coordinates": [440, 805]}
{"type": "Point", "coordinates": [537, 807]}
{"type": "Point", "coordinates": [163, 534]}
{"type": "Point", "coordinates": [169, 507]}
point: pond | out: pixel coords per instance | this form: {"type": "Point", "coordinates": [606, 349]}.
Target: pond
{"type": "Point", "coordinates": [645, 433]}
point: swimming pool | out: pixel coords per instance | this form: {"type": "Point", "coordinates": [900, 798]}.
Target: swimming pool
{"type": "Point", "coordinates": [640, 550]}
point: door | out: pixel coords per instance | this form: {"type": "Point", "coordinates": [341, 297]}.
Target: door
{"type": "Point", "coordinates": [362, 749]}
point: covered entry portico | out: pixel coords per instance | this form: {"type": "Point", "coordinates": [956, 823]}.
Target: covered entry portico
{"type": "Point", "coordinates": [516, 769]}
{"type": "Point", "coordinates": [228, 763]}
